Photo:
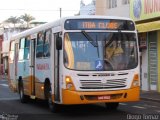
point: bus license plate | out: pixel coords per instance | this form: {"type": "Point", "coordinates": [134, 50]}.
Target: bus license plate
{"type": "Point", "coordinates": [104, 97]}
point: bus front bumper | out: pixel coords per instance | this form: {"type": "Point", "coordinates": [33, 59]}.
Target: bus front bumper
{"type": "Point", "coordinates": [76, 97]}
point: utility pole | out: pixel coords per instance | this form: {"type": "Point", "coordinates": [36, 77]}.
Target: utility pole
{"type": "Point", "coordinates": [60, 10]}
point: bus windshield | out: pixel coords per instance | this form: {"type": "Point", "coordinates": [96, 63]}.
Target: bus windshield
{"type": "Point", "coordinates": [100, 51]}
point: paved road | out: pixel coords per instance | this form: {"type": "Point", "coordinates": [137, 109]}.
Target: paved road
{"type": "Point", "coordinates": [38, 110]}
{"type": "Point", "coordinates": [5, 92]}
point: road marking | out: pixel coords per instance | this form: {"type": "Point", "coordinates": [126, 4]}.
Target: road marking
{"type": "Point", "coordinates": [158, 111]}
{"type": "Point", "coordinates": [140, 107]}
{"type": "Point", "coordinates": [4, 85]}
{"type": "Point", "coordinates": [150, 106]}
{"type": "Point", "coordinates": [122, 103]}
{"type": "Point", "coordinates": [154, 106]}
{"type": "Point", "coordinates": [13, 98]}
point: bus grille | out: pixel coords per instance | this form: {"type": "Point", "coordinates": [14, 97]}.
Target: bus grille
{"type": "Point", "coordinates": [103, 84]}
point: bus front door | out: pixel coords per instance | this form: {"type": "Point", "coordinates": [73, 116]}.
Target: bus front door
{"type": "Point", "coordinates": [32, 68]}
{"type": "Point", "coordinates": [56, 71]}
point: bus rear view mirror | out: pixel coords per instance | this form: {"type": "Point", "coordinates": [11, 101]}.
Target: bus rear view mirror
{"type": "Point", "coordinates": [59, 43]}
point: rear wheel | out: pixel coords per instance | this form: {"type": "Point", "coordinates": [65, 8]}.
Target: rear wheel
{"type": "Point", "coordinates": [112, 106]}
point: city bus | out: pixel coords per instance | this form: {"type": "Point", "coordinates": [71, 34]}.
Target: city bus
{"type": "Point", "coordinates": [77, 60]}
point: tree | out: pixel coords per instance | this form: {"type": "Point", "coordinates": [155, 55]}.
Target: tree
{"type": "Point", "coordinates": [27, 18]}
{"type": "Point", "coordinates": [14, 20]}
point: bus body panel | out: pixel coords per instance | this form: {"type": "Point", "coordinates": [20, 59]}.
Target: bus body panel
{"type": "Point", "coordinates": [77, 97]}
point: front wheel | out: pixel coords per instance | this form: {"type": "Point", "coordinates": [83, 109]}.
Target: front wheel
{"type": "Point", "coordinates": [53, 106]}
{"type": "Point", "coordinates": [112, 106]}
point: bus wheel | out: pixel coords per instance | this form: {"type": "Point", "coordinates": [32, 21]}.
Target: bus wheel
{"type": "Point", "coordinates": [23, 97]}
{"type": "Point", "coordinates": [53, 106]}
{"type": "Point", "coordinates": [112, 106]}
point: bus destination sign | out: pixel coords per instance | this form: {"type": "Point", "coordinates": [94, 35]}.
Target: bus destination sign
{"type": "Point", "coordinates": [98, 24]}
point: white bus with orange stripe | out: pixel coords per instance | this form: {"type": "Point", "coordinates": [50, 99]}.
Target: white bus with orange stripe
{"type": "Point", "coordinates": [77, 60]}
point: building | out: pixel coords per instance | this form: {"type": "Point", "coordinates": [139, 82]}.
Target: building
{"type": "Point", "coordinates": [113, 8]}
{"type": "Point", "coordinates": [5, 50]}
{"type": "Point", "coordinates": [5, 36]}
{"type": "Point", "coordinates": [146, 14]}
{"type": "Point", "coordinates": [88, 9]}
{"type": "Point", "coordinates": [6, 31]}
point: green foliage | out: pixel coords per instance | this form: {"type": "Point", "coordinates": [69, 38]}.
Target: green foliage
{"type": "Point", "coordinates": [26, 18]}
{"type": "Point", "coordinates": [13, 19]}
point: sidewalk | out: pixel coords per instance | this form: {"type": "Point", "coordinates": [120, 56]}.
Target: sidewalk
{"type": "Point", "coordinates": [150, 96]}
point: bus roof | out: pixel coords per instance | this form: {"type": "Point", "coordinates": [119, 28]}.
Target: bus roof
{"type": "Point", "coordinates": [62, 20]}
{"type": "Point", "coordinates": [97, 17]}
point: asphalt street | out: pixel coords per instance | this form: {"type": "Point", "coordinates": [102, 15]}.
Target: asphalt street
{"type": "Point", "coordinates": [11, 108]}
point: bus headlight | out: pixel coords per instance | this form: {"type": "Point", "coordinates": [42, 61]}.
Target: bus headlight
{"type": "Point", "coordinates": [69, 83]}
{"type": "Point", "coordinates": [135, 82]}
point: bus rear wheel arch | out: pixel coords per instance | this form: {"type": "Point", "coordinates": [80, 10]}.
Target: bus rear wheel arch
{"type": "Point", "coordinates": [47, 88]}
{"type": "Point", "coordinates": [23, 98]}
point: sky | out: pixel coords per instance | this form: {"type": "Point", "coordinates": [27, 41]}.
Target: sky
{"type": "Point", "coordinates": [42, 10]}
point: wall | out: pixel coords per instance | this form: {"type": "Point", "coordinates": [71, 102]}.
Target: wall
{"type": "Point", "coordinates": [158, 61]}
{"type": "Point", "coordinates": [1, 40]}
{"type": "Point", "coordinates": [100, 7]}
{"type": "Point", "coordinates": [144, 72]}
{"type": "Point", "coordinates": [5, 47]}
{"type": "Point", "coordinates": [120, 10]}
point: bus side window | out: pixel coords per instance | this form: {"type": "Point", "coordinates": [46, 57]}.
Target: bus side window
{"type": "Point", "coordinates": [26, 48]}
{"type": "Point", "coordinates": [47, 42]}
{"type": "Point", "coordinates": [21, 49]}
{"type": "Point", "coordinates": [39, 49]}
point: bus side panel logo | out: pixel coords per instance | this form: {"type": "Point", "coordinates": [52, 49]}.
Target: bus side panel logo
{"type": "Point", "coordinates": [99, 64]}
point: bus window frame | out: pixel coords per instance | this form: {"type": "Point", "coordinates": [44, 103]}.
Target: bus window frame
{"type": "Point", "coordinates": [27, 46]}
{"type": "Point", "coordinates": [47, 43]}
{"type": "Point", "coordinates": [39, 54]}
{"type": "Point", "coordinates": [43, 43]}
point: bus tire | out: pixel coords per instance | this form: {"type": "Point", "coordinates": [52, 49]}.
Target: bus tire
{"type": "Point", "coordinates": [47, 88]}
{"type": "Point", "coordinates": [52, 106]}
{"type": "Point", "coordinates": [112, 106]}
{"type": "Point", "coordinates": [23, 97]}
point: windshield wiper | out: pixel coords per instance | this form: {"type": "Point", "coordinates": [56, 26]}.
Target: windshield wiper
{"type": "Point", "coordinates": [94, 43]}
{"type": "Point", "coordinates": [89, 39]}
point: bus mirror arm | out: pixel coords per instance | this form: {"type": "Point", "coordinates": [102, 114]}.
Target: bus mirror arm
{"type": "Point", "coordinates": [59, 43]}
